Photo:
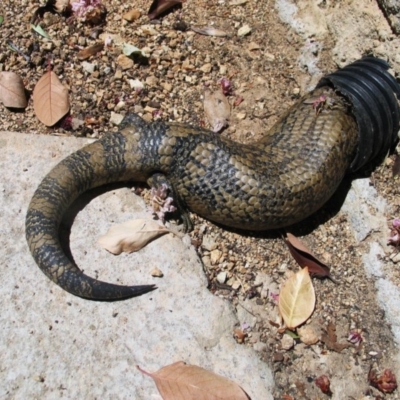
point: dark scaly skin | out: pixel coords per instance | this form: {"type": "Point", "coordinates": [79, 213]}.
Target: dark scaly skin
{"type": "Point", "coordinates": [273, 183]}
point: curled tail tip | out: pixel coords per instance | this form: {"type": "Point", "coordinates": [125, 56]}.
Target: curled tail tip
{"type": "Point", "coordinates": [372, 92]}
{"type": "Point", "coordinates": [86, 287]}
{"type": "Point", "coordinates": [110, 292]}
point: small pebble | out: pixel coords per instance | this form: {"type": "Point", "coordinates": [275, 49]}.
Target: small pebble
{"type": "Point", "coordinates": [118, 74]}
{"type": "Point", "coordinates": [277, 357]}
{"type": "Point", "coordinates": [206, 68]}
{"type": "Point", "coordinates": [221, 277]}
{"type": "Point", "coordinates": [287, 342]}
{"type": "Point", "coordinates": [148, 30]}
{"type": "Point", "coordinates": [395, 258]}
{"type": "Point", "coordinates": [156, 272]}
{"type": "Point", "coordinates": [260, 346]}
{"type": "Point", "coordinates": [132, 15]}
{"type": "Point", "coordinates": [116, 118]}
{"type": "Point", "coordinates": [236, 285]}
{"type": "Point", "coordinates": [215, 255]}
{"type": "Point", "coordinates": [296, 90]}
{"type": "Point", "coordinates": [88, 67]}
{"type": "Point", "coordinates": [244, 30]}
{"type": "Point", "coordinates": [136, 84]}
{"type": "Point", "coordinates": [208, 243]}
{"type": "Point", "coordinates": [308, 335]}
{"type": "Point", "coordinates": [124, 62]}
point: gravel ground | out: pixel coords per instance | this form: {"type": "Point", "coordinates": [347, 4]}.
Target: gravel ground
{"type": "Point", "coordinates": [263, 68]}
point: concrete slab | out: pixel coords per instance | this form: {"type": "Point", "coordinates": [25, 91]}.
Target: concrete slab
{"type": "Point", "coordinates": [56, 345]}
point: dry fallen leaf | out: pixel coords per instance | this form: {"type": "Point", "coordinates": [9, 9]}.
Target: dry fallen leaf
{"type": "Point", "coordinates": [12, 90]}
{"type": "Point", "coordinates": [217, 109]}
{"type": "Point", "coordinates": [158, 7]}
{"type": "Point", "coordinates": [305, 258]}
{"type": "Point", "coordinates": [131, 236]}
{"type": "Point", "coordinates": [330, 339]}
{"type": "Point", "coordinates": [50, 99]}
{"type": "Point", "coordinates": [90, 51]}
{"type": "Point", "coordinates": [297, 299]}
{"type": "Point", "coordinates": [179, 381]}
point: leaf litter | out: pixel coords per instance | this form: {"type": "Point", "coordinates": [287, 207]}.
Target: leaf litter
{"type": "Point", "coordinates": [131, 235]}
{"type": "Point", "coordinates": [50, 99]}
{"type": "Point", "coordinates": [180, 381]}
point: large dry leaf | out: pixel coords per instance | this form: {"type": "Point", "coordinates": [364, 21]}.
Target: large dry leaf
{"type": "Point", "coordinates": [217, 109]}
{"type": "Point", "coordinates": [12, 90]}
{"type": "Point", "coordinates": [50, 99]}
{"type": "Point", "coordinates": [305, 258]}
{"type": "Point", "coordinates": [297, 299]}
{"type": "Point", "coordinates": [158, 7]}
{"type": "Point", "coordinates": [131, 236]}
{"type": "Point", "coordinates": [331, 341]}
{"type": "Point", "coordinates": [180, 381]}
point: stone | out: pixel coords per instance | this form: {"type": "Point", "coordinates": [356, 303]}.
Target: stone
{"type": "Point", "coordinates": [156, 272]}
{"type": "Point", "coordinates": [132, 15]}
{"type": "Point", "coordinates": [124, 62]}
{"type": "Point", "coordinates": [221, 277]}
{"type": "Point", "coordinates": [287, 342]}
{"type": "Point", "coordinates": [88, 67]}
{"type": "Point", "coordinates": [116, 118]}
{"type": "Point", "coordinates": [215, 255]}
{"type": "Point", "coordinates": [208, 242]}
{"type": "Point", "coordinates": [206, 68]}
{"type": "Point", "coordinates": [308, 335]}
{"type": "Point", "coordinates": [244, 30]}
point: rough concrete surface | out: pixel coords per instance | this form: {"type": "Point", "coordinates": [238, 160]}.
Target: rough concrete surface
{"type": "Point", "coordinates": [56, 345]}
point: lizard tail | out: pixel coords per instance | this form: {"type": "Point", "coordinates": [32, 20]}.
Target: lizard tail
{"type": "Point", "coordinates": [94, 165]}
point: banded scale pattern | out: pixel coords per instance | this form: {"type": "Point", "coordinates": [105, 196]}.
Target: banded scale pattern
{"type": "Point", "coordinates": [274, 183]}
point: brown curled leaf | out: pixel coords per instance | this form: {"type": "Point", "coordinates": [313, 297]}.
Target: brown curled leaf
{"type": "Point", "coordinates": [90, 51]}
{"type": "Point", "coordinates": [131, 235]}
{"type": "Point", "coordinates": [305, 258]}
{"type": "Point", "coordinates": [180, 381]}
{"type": "Point", "coordinates": [12, 90]}
{"type": "Point", "coordinates": [158, 7]}
{"type": "Point", "coordinates": [50, 99]}
{"type": "Point", "coordinates": [330, 339]}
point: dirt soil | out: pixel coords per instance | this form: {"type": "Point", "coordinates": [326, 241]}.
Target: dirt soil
{"type": "Point", "coordinates": [267, 77]}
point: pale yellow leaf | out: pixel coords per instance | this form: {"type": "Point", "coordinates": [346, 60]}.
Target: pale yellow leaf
{"type": "Point", "coordinates": [297, 299]}
{"type": "Point", "coordinates": [50, 99]}
{"type": "Point", "coordinates": [12, 90]}
{"type": "Point", "coordinates": [131, 236]}
{"type": "Point", "coordinates": [180, 381]}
